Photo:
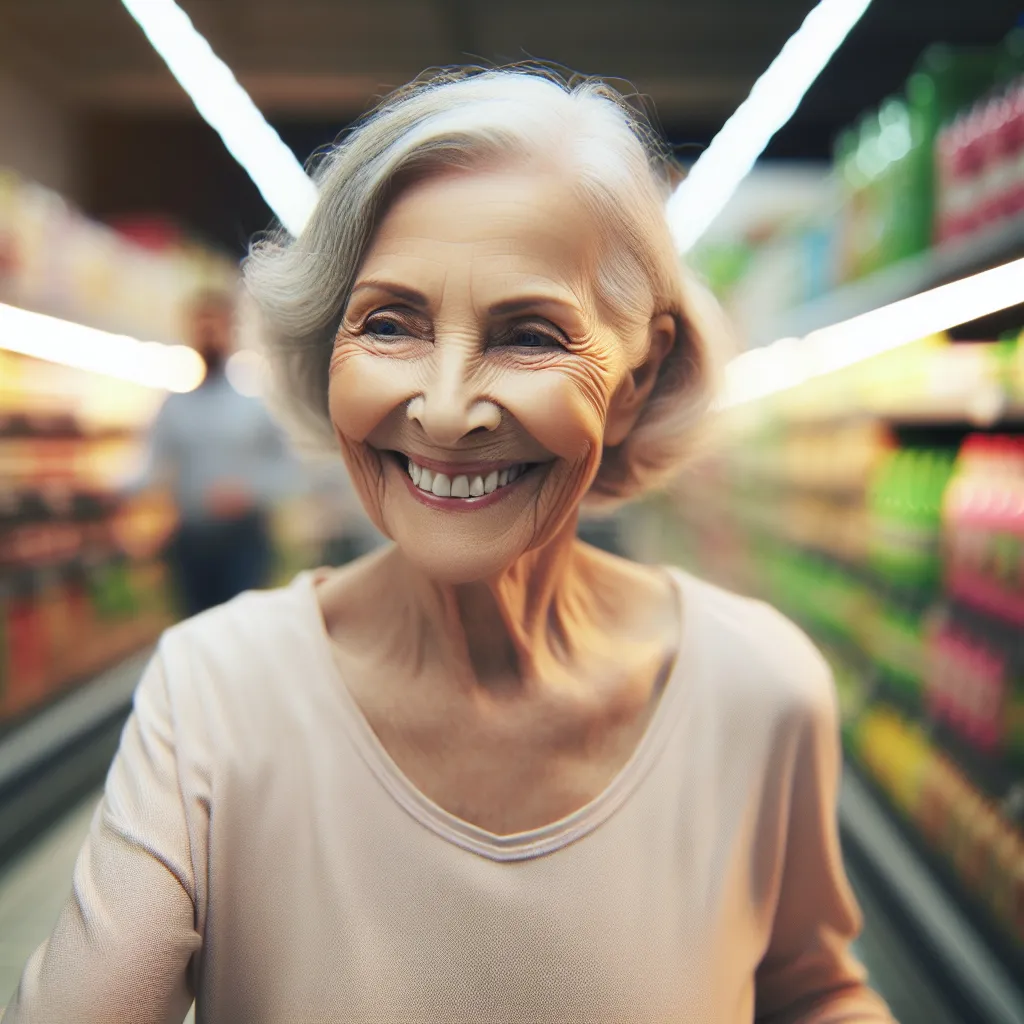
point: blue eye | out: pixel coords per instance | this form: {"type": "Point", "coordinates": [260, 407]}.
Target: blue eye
{"type": "Point", "coordinates": [384, 328]}
{"type": "Point", "coordinates": [533, 339]}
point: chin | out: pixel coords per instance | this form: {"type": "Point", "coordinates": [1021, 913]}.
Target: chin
{"type": "Point", "coordinates": [453, 548]}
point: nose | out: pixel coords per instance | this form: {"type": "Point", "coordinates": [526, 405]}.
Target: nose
{"type": "Point", "coordinates": [450, 406]}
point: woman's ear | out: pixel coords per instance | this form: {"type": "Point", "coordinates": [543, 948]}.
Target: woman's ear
{"type": "Point", "coordinates": [632, 394]}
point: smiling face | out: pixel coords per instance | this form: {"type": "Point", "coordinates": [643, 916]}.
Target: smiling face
{"type": "Point", "coordinates": [474, 381]}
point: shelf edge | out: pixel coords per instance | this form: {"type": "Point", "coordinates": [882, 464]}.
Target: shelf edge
{"type": "Point", "coordinates": [44, 735]}
{"type": "Point", "coordinates": [950, 935]}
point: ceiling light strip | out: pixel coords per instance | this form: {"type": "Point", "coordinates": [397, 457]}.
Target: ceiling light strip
{"type": "Point", "coordinates": [792, 361]}
{"type": "Point", "coordinates": [773, 100]}
{"type": "Point", "coordinates": [229, 110]}
{"type": "Point", "coordinates": [149, 363]}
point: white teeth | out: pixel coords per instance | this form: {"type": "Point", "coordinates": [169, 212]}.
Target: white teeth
{"type": "Point", "coordinates": [462, 486]}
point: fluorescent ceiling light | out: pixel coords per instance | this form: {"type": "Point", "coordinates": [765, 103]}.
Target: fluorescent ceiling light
{"type": "Point", "coordinates": [772, 102]}
{"type": "Point", "coordinates": [791, 361]}
{"type": "Point", "coordinates": [228, 109]}
{"type": "Point", "coordinates": [149, 363]}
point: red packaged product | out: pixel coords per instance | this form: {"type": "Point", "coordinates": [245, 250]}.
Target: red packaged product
{"type": "Point", "coordinates": [27, 652]}
{"type": "Point", "coordinates": [1015, 133]}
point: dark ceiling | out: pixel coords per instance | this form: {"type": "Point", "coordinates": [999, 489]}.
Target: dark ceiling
{"type": "Point", "coordinates": [313, 65]}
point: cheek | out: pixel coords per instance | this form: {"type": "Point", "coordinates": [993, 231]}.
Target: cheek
{"type": "Point", "coordinates": [364, 389]}
{"type": "Point", "coordinates": [564, 409]}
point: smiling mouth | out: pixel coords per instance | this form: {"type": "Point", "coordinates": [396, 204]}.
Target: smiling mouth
{"type": "Point", "coordinates": [481, 486]}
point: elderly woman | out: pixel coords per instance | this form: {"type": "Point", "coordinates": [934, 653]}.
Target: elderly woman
{"type": "Point", "coordinates": [486, 773]}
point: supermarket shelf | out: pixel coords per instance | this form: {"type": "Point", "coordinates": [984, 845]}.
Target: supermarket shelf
{"type": "Point", "coordinates": [992, 776]}
{"type": "Point", "coordinates": [993, 779]}
{"type": "Point", "coordinates": [62, 752]}
{"type": "Point", "coordinates": [976, 979]}
{"type": "Point", "coordinates": [988, 248]}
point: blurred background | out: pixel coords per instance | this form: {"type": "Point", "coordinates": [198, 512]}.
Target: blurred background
{"type": "Point", "coordinates": [866, 473]}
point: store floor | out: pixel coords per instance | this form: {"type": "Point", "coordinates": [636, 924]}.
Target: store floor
{"type": "Point", "coordinates": [33, 889]}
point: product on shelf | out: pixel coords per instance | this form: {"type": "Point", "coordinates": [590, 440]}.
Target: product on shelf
{"type": "Point", "coordinates": [921, 621]}
{"type": "Point", "coordinates": [984, 526]}
{"type": "Point", "coordinates": [896, 640]}
{"type": "Point", "coordinates": [975, 681]}
{"type": "Point", "coordinates": [979, 164]}
{"type": "Point", "coordinates": [935, 163]}
{"type": "Point", "coordinates": [905, 501]}
{"type": "Point", "coordinates": [71, 600]}
{"type": "Point", "coordinates": [882, 506]}
{"type": "Point", "coordinates": [888, 166]}
{"type": "Point", "coordinates": [963, 826]}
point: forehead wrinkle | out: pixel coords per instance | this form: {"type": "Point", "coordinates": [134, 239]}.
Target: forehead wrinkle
{"type": "Point", "coordinates": [544, 269]}
{"type": "Point", "coordinates": [395, 267]}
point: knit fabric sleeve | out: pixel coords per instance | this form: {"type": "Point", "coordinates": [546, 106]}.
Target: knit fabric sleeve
{"type": "Point", "coordinates": [123, 944]}
{"type": "Point", "coordinates": [809, 974]}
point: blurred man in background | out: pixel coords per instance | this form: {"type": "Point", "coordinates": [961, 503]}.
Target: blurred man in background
{"type": "Point", "coordinates": [226, 463]}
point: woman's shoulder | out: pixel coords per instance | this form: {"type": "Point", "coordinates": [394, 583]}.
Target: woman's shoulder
{"type": "Point", "coordinates": [261, 646]}
{"type": "Point", "coordinates": [246, 619]}
{"type": "Point", "coordinates": [754, 655]}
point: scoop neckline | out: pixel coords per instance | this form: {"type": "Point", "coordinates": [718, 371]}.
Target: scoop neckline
{"type": "Point", "coordinates": [535, 842]}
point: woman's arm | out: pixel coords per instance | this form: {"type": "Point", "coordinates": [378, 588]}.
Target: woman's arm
{"type": "Point", "coordinates": [122, 947]}
{"type": "Point", "coordinates": [809, 974]}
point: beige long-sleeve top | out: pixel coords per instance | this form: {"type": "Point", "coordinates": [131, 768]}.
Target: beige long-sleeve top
{"type": "Point", "coordinates": [256, 848]}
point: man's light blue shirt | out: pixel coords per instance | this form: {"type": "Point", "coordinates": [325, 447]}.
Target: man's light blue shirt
{"type": "Point", "coordinates": [213, 435]}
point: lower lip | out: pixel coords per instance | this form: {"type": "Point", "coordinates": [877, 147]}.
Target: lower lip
{"type": "Point", "coordinates": [461, 504]}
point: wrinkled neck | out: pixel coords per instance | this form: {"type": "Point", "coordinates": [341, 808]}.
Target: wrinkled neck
{"type": "Point", "coordinates": [564, 617]}
{"type": "Point", "coordinates": [517, 627]}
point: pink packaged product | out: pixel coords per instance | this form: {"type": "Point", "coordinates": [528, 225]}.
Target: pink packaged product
{"type": "Point", "coordinates": [970, 680]}
{"type": "Point", "coordinates": [979, 165]}
{"type": "Point", "coordinates": [983, 527]}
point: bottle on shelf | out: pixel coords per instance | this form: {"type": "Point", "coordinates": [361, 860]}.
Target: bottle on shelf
{"type": "Point", "coordinates": [983, 526]}
{"type": "Point", "coordinates": [905, 502]}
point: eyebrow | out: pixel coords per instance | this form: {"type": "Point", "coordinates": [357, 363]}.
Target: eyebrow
{"type": "Point", "coordinates": [519, 305]}
{"type": "Point", "coordinates": [507, 307]}
{"type": "Point", "coordinates": [410, 295]}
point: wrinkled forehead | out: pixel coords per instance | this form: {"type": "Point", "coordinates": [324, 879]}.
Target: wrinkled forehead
{"type": "Point", "coordinates": [493, 231]}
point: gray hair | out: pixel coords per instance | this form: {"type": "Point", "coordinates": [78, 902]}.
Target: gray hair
{"type": "Point", "coordinates": [470, 118]}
